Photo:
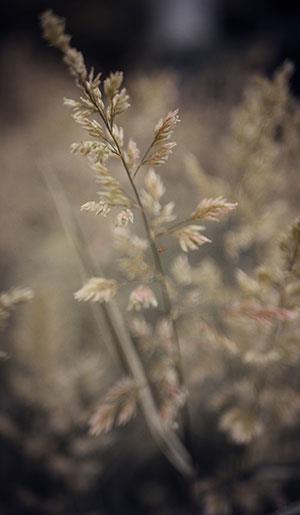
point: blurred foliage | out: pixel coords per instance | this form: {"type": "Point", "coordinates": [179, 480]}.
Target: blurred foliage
{"type": "Point", "coordinates": [239, 316]}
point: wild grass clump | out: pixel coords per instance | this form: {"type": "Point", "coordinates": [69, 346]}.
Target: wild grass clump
{"type": "Point", "coordinates": [206, 350]}
{"type": "Point", "coordinates": [160, 389]}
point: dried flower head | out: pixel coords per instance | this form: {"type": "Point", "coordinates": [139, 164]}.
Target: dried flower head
{"type": "Point", "coordinates": [132, 155]}
{"type": "Point", "coordinates": [154, 185]}
{"type": "Point", "coordinates": [135, 267]}
{"type": "Point", "coordinates": [124, 218]}
{"type": "Point", "coordinates": [111, 194]}
{"type": "Point", "coordinates": [142, 297]}
{"type": "Point", "coordinates": [97, 289]}
{"type": "Point", "coordinates": [151, 195]}
{"type": "Point", "coordinates": [98, 208]}
{"type": "Point", "coordinates": [165, 216]}
{"type": "Point", "coordinates": [54, 30]}
{"type": "Point", "coordinates": [243, 426]}
{"type": "Point", "coordinates": [160, 154]}
{"type": "Point", "coordinates": [263, 314]}
{"type": "Point", "coordinates": [134, 264]}
{"type": "Point", "coordinates": [113, 83]}
{"type": "Point", "coordinates": [190, 237]}
{"type": "Point", "coordinates": [118, 408]}
{"type": "Point", "coordinates": [213, 209]}
{"type": "Point", "coordinates": [165, 127]}
{"type": "Point", "coordinates": [54, 33]}
{"type": "Point", "coordinates": [218, 340]}
{"type": "Point", "coordinates": [173, 400]}
{"type": "Point", "coordinates": [160, 148]}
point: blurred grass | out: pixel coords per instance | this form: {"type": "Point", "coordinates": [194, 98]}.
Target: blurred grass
{"type": "Point", "coordinates": [58, 366]}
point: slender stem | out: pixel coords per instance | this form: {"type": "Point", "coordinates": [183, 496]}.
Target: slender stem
{"type": "Point", "coordinates": [76, 237]}
{"type": "Point", "coordinates": [165, 294]}
{"type": "Point", "coordinates": [155, 253]}
{"type": "Point", "coordinates": [166, 439]}
{"type": "Point", "coordinates": [159, 269]}
{"type": "Point", "coordinates": [142, 161]}
{"type": "Point", "coordinates": [174, 227]}
{"type": "Point", "coordinates": [157, 261]}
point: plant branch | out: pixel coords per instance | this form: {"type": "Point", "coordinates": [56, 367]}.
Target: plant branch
{"type": "Point", "coordinates": [142, 161]}
{"type": "Point", "coordinates": [174, 227]}
{"type": "Point", "coordinates": [165, 294]}
{"type": "Point", "coordinates": [166, 439]}
{"type": "Point", "coordinates": [155, 253]}
{"type": "Point", "coordinates": [158, 266]}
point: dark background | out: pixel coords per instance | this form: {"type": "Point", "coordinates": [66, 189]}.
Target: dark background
{"type": "Point", "coordinates": [144, 33]}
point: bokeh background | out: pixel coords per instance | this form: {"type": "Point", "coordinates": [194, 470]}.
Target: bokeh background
{"type": "Point", "coordinates": [199, 55]}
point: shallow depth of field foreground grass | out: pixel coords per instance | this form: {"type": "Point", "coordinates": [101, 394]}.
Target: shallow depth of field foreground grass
{"type": "Point", "coordinates": [150, 315]}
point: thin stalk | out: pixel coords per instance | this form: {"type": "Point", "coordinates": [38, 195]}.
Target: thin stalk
{"type": "Point", "coordinates": [165, 293]}
{"type": "Point", "coordinates": [77, 240]}
{"type": "Point", "coordinates": [142, 161]}
{"type": "Point", "coordinates": [155, 253]}
{"type": "Point", "coordinates": [166, 439]}
{"type": "Point", "coordinates": [158, 266]}
{"type": "Point", "coordinates": [176, 226]}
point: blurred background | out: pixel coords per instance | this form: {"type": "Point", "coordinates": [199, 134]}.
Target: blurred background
{"type": "Point", "coordinates": [199, 55]}
{"type": "Point", "coordinates": [145, 34]}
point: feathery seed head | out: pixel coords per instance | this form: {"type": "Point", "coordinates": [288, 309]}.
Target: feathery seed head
{"type": "Point", "coordinates": [160, 154]}
{"type": "Point", "coordinates": [165, 127]}
{"type": "Point", "coordinates": [98, 208]}
{"type": "Point", "coordinates": [113, 83]}
{"type": "Point", "coordinates": [190, 237]}
{"type": "Point", "coordinates": [120, 404]}
{"type": "Point", "coordinates": [97, 289]}
{"type": "Point", "coordinates": [243, 426]}
{"type": "Point", "coordinates": [154, 185]}
{"type": "Point", "coordinates": [124, 218]}
{"type": "Point", "coordinates": [132, 155]}
{"type": "Point", "coordinates": [142, 297]}
{"type": "Point", "coordinates": [213, 209]}
{"type": "Point", "coordinates": [54, 30]}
